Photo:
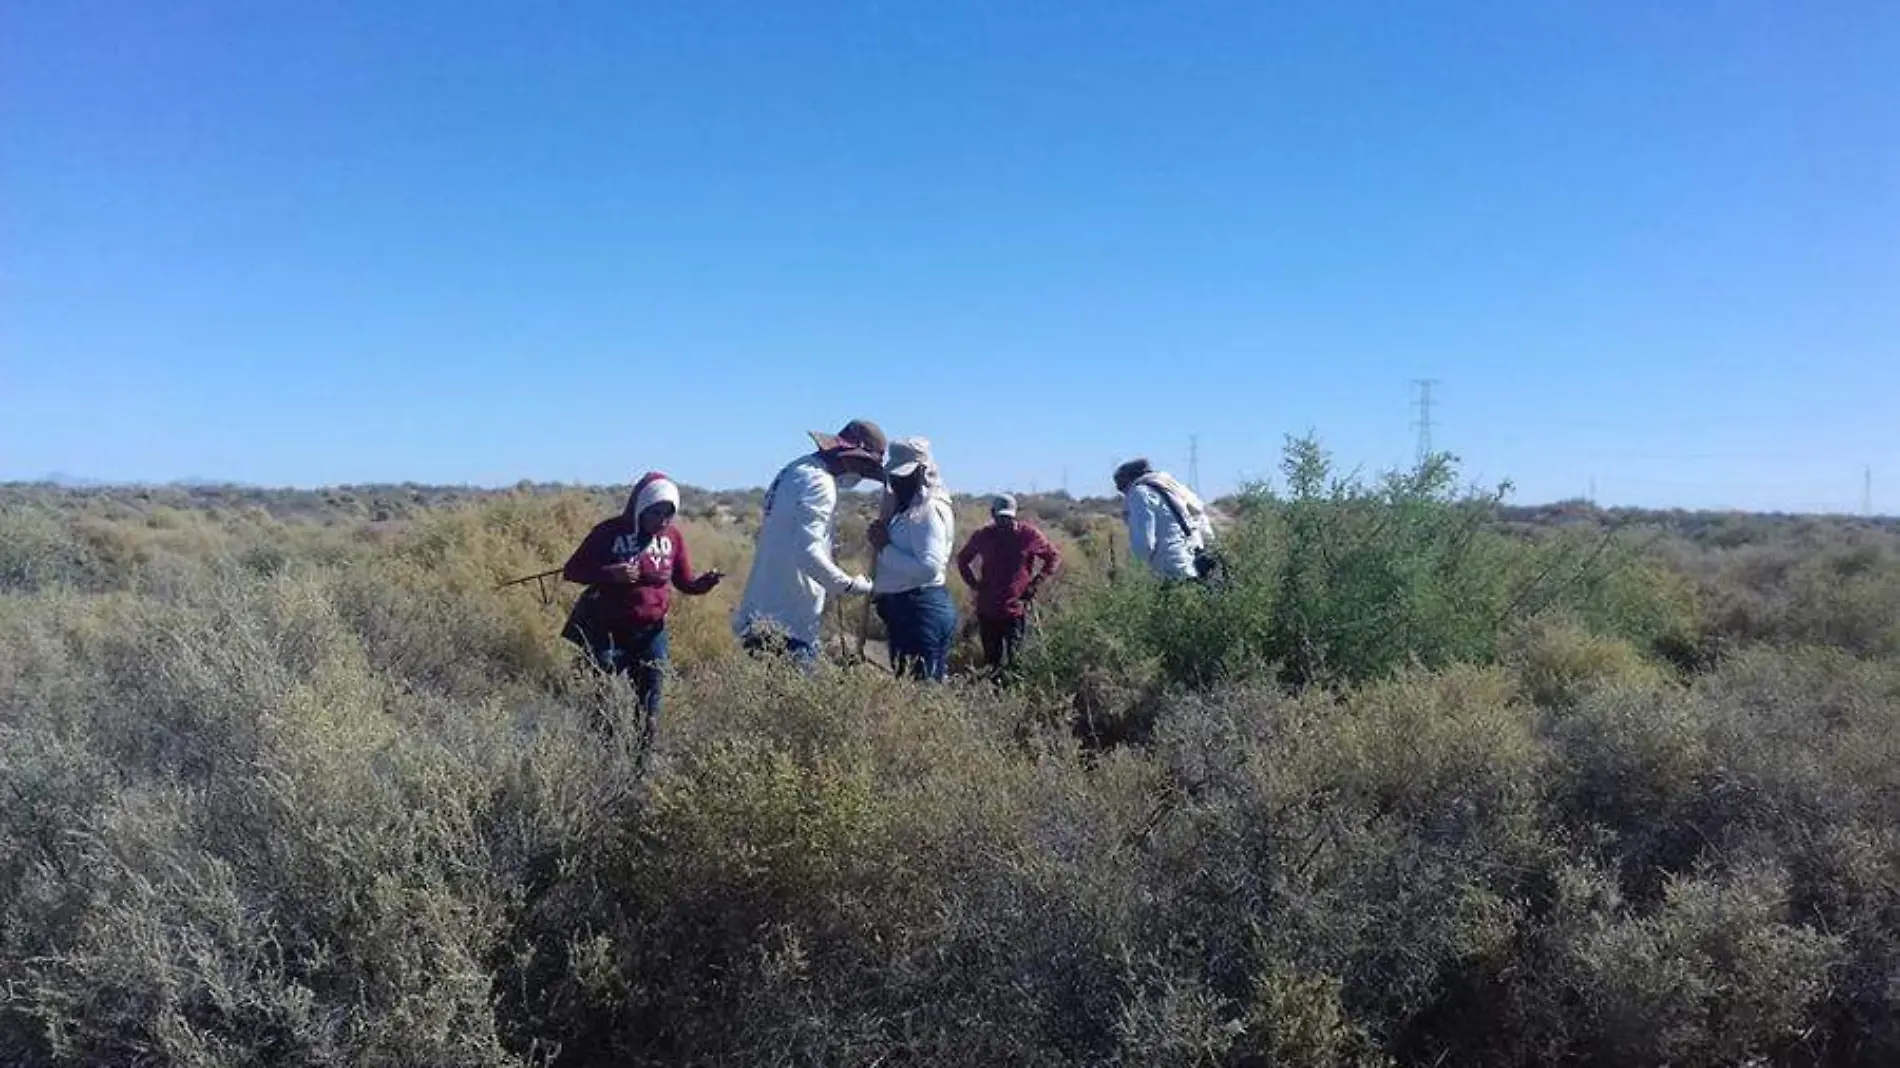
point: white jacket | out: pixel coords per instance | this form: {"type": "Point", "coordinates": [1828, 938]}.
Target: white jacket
{"type": "Point", "coordinates": [1155, 536]}
{"type": "Point", "coordinates": [918, 555]}
{"type": "Point", "coordinates": [792, 569]}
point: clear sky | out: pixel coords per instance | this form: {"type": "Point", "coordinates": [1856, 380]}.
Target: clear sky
{"type": "Point", "coordinates": [1653, 245]}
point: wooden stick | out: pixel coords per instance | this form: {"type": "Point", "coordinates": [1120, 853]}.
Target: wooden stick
{"type": "Point", "coordinates": [864, 620]}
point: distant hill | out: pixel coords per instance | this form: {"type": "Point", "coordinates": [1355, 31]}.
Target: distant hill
{"type": "Point", "coordinates": [66, 481]}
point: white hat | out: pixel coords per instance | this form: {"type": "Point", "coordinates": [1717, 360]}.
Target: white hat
{"type": "Point", "coordinates": [653, 489]}
{"type": "Point", "coordinates": [1003, 504]}
{"type": "Point", "coordinates": [907, 455]}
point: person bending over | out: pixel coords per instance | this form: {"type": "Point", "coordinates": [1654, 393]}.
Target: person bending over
{"type": "Point", "coordinates": [792, 567]}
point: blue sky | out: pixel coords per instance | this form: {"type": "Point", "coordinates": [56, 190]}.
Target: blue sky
{"type": "Point", "coordinates": [1656, 246]}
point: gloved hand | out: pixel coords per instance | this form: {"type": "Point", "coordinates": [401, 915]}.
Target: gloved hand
{"type": "Point", "coordinates": [860, 584]}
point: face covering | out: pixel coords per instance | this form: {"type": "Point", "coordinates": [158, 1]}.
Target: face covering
{"type": "Point", "coordinates": [905, 490]}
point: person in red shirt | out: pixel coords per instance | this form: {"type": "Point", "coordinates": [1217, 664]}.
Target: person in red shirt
{"type": "Point", "coordinates": [1016, 559]}
{"type": "Point", "coordinates": [628, 564]}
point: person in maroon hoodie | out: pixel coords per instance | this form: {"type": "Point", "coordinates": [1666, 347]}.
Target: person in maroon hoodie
{"type": "Point", "coordinates": [1016, 560]}
{"type": "Point", "coordinates": [628, 564]}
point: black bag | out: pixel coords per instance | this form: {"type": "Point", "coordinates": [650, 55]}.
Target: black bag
{"type": "Point", "coordinates": [1208, 566]}
{"type": "Point", "coordinates": [584, 626]}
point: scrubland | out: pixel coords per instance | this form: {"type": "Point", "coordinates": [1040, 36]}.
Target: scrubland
{"type": "Point", "coordinates": [1431, 781]}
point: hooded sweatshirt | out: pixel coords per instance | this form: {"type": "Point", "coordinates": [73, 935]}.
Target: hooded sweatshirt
{"type": "Point", "coordinates": [1155, 535]}
{"type": "Point", "coordinates": [792, 569]}
{"type": "Point", "coordinates": [663, 560]}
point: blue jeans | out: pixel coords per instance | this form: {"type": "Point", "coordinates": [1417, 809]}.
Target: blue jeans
{"type": "Point", "coordinates": [641, 656]}
{"type": "Point", "coordinates": [922, 624]}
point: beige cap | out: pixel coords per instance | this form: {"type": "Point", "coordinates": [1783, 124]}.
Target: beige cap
{"type": "Point", "coordinates": [907, 455]}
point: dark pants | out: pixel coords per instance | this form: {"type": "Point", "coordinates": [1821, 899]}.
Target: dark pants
{"type": "Point", "coordinates": [921, 625]}
{"type": "Point", "coordinates": [639, 655]}
{"type": "Point", "coordinates": [1002, 640]}
{"type": "Point", "coordinates": [771, 643]}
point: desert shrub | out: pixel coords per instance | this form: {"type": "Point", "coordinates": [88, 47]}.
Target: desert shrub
{"type": "Point", "coordinates": [1635, 764]}
{"type": "Point", "coordinates": [286, 793]}
{"type": "Point", "coordinates": [1774, 755]}
{"type": "Point", "coordinates": [1810, 744]}
{"type": "Point", "coordinates": [1338, 581]}
{"type": "Point", "coordinates": [154, 550]}
{"type": "Point", "coordinates": [1301, 1019]}
{"type": "Point", "coordinates": [269, 876]}
{"type": "Point", "coordinates": [1849, 598]}
{"type": "Point", "coordinates": [820, 873]}
{"type": "Point", "coordinates": [430, 611]}
{"type": "Point", "coordinates": [1281, 854]}
{"type": "Point", "coordinates": [1715, 975]}
{"type": "Point", "coordinates": [1558, 662]}
{"type": "Point", "coordinates": [1833, 588]}
{"type": "Point", "coordinates": [1445, 749]}
{"type": "Point", "coordinates": [37, 551]}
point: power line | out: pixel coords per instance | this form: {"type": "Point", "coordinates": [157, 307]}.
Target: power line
{"type": "Point", "coordinates": [1423, 387]}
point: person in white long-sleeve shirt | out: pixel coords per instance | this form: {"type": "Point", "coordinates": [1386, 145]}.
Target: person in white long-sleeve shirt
{"type": "Point", "coordinates": [914, 540]}
{"type": "Point", "coordinates": [792, 567]}
{"type": "Point", "coordinates": [1168, 526]}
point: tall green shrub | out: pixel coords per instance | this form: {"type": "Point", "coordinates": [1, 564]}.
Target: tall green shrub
{"type": "Point", "coordinates": [1337, 579]}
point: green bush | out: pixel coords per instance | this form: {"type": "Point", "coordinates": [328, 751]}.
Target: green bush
{"type": "Point", "coordinates": [1337, 581]}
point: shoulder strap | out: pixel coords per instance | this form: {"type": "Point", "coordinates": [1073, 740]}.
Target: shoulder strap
{"type": "Point", "coordinates": [1174, 506]}
{"type": "Point", "coordinates": [771, 492]}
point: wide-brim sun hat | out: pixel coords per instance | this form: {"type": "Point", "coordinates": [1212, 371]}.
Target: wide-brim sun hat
{"type": "Point", "coordinates": [860, 439]}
